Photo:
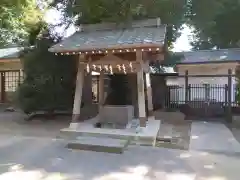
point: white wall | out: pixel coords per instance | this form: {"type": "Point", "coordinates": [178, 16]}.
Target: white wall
{"type": "Point", "coordinates": [200, 92]}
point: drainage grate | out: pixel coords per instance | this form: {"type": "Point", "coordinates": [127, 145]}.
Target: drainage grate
{"type": "Point", "coordinates": [167, 140]}
{"type": "Point", "coordinates": [164, 140]}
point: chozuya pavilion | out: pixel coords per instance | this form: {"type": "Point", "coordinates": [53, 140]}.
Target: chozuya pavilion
{"type": "Point", "coordinates": [110, 48]}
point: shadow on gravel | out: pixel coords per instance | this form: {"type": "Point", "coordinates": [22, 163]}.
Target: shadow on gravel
{"type": "Point", "coordinates": [235, 129]}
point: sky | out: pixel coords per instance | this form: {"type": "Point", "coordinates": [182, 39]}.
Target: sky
{"type": "Point", "coordinates": [181, 44]}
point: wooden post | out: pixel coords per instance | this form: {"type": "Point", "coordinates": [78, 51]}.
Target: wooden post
{"type": "Point", "coordinates": [229, 119]}
{"type": "Point", "coordinates": [78, 95]}
{"type": "Point", "coordinates": [3, 90]}
{"type": "Point", "coordinates": [141, 94]}
{"type": "Point", "coordinates": [87, 89]}
{"type": "Point", "coordinates": [101, 91]}
{"type": "Point", "coordinates": [87, 95]}
{"type": "Point", "coordinates": [133, 85]}
{"type": "Point", "coordinates": [149, 94]}
{"type": "Point", "coordinates": [98, 90]}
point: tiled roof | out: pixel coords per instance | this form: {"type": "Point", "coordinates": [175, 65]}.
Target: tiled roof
{"type": "Point", "coordinates": [107, 36]}
{"type": "Point", "coordinates": [10, 53]}
{"type": "Point", "coordinates": [210, 56]}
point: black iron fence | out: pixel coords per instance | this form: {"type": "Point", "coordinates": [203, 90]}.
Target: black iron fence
{"type": "Point", "coordinates": [209, 99]}
{"type": "Point", "coordinates": [197, 93]}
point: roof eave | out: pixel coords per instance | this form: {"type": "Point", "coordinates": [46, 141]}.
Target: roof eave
{"type": "Point", "coordinates": [8, 60]}
{"type": "Point", "coordinates": [208, 62]}
{"type": "Point", "coordinates": [114, 47]}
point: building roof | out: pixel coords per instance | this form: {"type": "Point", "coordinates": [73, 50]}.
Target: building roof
{"type": "Point", "coordinates": [111, 36]}
{"type": "Point", "coordinates": [211, 56]}
{"type": "Point", "coordinates": [10, 53]}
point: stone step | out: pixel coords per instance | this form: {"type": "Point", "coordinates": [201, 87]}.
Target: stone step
{"type": "Point", "coordinates": [108, 145]}
{"type": "Point", "coordinates": [85, 130]}
{"type": "Point", "coordinates": [99, 133]}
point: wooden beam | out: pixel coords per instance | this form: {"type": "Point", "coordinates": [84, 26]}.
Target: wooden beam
{"type": "Point", "coordinates": [78, 95]}
{"type": "Point", "coordinates": [145, 66]}
{"type": "Point", "coordinates": [9, 60]}
{"type": "Point", "coordinates": [101, 92]}
{"type": "Point", "coordinates": [137, 46]}
{"type": "Point", "coordinates": [130, 67]}
{"type": "Point", "coordinates": [149, 94]}
{"type": "Point", "coordinates": [110, 59]}
{"type": "Point", "coordinates": [141, 93]}
{"type": "Point", "coordinates": [87, 96]}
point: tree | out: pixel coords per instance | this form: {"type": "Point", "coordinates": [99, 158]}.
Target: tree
{"type": "Point", "coordinates": [170, 60]}
{"type": "Point", "coordinates": [171, 12]}
{"type": "Point", "coordinates": [49, 79]}
{"type": "Point", "coordinates": [17, 18]}
{"type": "Point", "coordinates": [215, 27]}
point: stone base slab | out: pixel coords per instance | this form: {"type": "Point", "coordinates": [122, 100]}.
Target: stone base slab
{"type": "Point", "coordinates": [73, 125]}
{"type": "Point", "coordinates": [171, 117]}
{"type": "Point", "coordinates": [147, 134]}
{"type": "Point", "coordinates": [236, 120]}
{"type": "Point", "coordinates": [75, 117]}
{"type": "Point", "coordinates": [99, 144]}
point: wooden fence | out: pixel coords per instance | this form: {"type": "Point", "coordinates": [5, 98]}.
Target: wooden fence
{"type": "Point", "coordinates": [9, 81]}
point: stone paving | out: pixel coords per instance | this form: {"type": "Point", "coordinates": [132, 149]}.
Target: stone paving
{"type": "Point", "coordinates": [235, 129]}
{"type": "Point", "coordinates": [213, 137]}
{"type": "Point", "coordinates": [44, 158]}
{"type": "Point", "coordinates": [179, 133]}
{"type": "Point", "coordinates": [12, 123]}
{"type": "Point", "coordinates": [29, 151]}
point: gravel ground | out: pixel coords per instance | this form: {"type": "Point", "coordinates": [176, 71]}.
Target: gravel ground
{"type": "Point", "coordinates": [30, 151]}
{"type": "Point", "coordinates": [178, 133]}
{"type": "Point", "coordinates": [32, 158]}
{"type": "Point", "coordinates": [13, 123]}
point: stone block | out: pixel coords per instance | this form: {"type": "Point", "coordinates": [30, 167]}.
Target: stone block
{"type": "Point", "coordinates": [116, 114]}
{"type": "Point", "coordinates": [171, 117]}
{"type": "Point", "coordinates": [108, 145]}
{"type": "Point", "coordinates": [236, 120]}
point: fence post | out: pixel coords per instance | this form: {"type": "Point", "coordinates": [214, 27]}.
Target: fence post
{"type": "Point", "coordinates": [186, 87]}
{"type": "Point", "coordinates": [229, 118]}
{"type": "Point", "coordinates": [189, 92]}
{"type": "Point", "coordinates": [19, 77]}
{"type": "Point", "coordinates": [3, 87]}
{"type": "Point", "coordinates": [226, 96]}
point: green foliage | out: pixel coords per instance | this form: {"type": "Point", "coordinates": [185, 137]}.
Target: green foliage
{"type": "Point", "coordinates": [171, 12]}
{"type": "Point", "coordinates": [217, 26]}
{"type": "Point", "coordinates": [49, 82]}
{"type": "Point", "coordinates": [17, 18]}
{"type": "Point", "coordinates": [171, 58]}
{"type": "Point", "coordinates": [238, 93]}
